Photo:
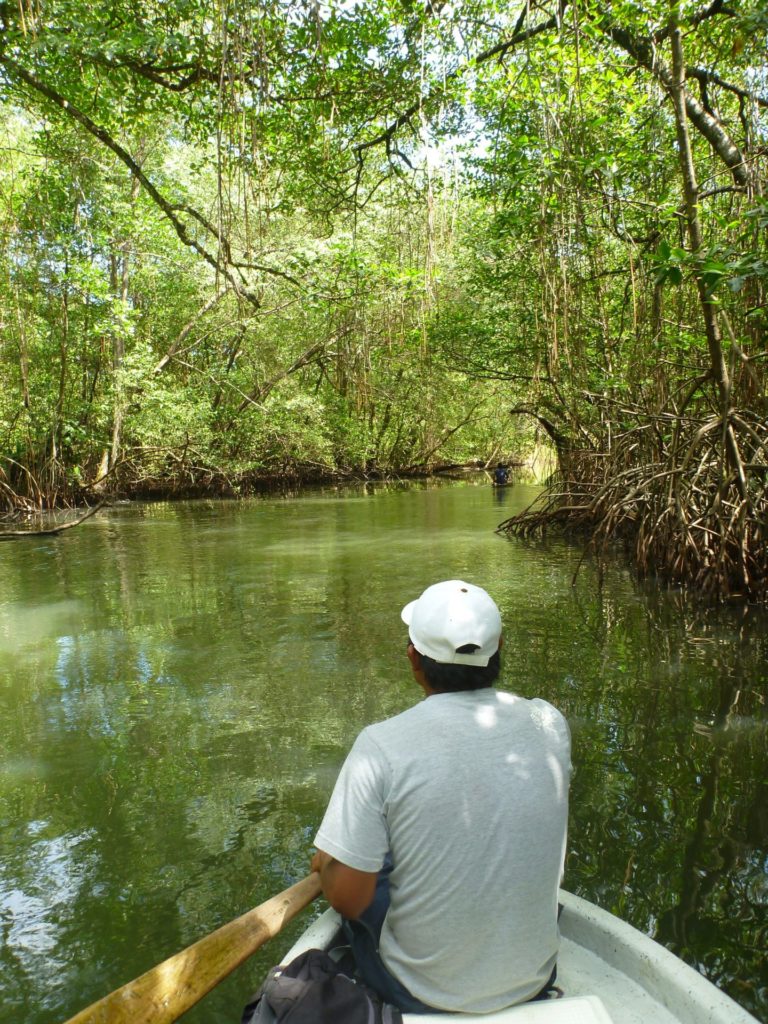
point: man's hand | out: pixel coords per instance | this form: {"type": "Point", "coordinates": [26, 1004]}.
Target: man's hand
{"type": "Point", "coordinates": [348, 890]}
{"type": "Point", "coordinates": [319, 860]}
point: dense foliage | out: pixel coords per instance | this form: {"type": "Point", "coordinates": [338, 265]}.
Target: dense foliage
{"type": "Point", "coordinates": [241, 241]}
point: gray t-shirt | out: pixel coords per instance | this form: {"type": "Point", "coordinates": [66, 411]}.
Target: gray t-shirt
{"type": "Point", "coordinates": [469, 793]}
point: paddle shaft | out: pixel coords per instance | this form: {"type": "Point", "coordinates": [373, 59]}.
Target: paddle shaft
{"type": "Point", "coordinates": [166, 991]}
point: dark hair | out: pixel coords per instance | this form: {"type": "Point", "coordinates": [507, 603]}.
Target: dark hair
{"type": "Point", "coordinates": [450, 678]}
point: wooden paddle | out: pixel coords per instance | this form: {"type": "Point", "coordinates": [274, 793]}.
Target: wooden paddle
{"type": "Point", "coordinates": [166, 991]}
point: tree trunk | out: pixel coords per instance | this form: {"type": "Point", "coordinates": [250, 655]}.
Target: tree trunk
{"type": "Point", "coordinates": [120, 283]}
{"type": "Point", "coordinates": [691, 195]}
{"type": "Point", "coordinates": [718, 364]}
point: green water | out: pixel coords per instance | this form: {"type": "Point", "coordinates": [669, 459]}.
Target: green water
{"type": "Point", "coordinates": [179, 685]}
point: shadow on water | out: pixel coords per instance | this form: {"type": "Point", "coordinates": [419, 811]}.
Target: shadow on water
{"type": "Point", "coordinates": [180, 683]}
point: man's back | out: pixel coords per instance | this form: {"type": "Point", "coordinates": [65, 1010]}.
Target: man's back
{"type": "Point", "coordinates": [468, 792]}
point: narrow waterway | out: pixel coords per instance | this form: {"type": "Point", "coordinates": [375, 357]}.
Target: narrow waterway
{"type": "Point", "coordinates": [180, 683]}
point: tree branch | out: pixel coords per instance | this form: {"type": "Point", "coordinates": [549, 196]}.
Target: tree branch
{"type": "Point", "coordinates": [186, 330]}
{"type": "Point", "coordinates": [518, 36]}
{"type": "Point", "coordinates": [171, 210]}
{"type": "Point", "coordinates": [644, 52]}
{"type": "Point", "coordinates": [54, 531]}
{"type": "Point", "coordinates": [706, 77]}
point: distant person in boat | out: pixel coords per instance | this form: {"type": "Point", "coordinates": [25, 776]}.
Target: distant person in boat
{"type": "Point", "coordinates": [444, 839]}
{"type": "Point", "coordinates": [501, 475]}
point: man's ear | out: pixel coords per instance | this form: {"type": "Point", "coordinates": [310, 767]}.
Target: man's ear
{"type": "Point", "coordinates": [414, 657]}
{"type": "Point", "coordinates": [418, 673]}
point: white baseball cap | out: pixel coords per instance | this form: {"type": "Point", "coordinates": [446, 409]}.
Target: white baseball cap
{"type": "Point", "coordinates": [451, 615]}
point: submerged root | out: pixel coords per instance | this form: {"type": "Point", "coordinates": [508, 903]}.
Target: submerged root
{"type": "Point", "coordinates": [694, 515]}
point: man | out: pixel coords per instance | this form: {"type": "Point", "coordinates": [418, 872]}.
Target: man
{"type": "Point", "coordinates": [444, 839]}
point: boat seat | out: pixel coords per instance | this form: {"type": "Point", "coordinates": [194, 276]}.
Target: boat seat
{"type": "Point", "coordinates": [585, 1008]}
{"type": "Point", "coordinates": [570, 1010]}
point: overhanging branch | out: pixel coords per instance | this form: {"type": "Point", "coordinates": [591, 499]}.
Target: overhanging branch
{"type": "Point", "coordinates": [519, 36]}
{"type": "Point", "coordinates": [172, 211]}
{"type": "Point", "coordinates": [643, 50]}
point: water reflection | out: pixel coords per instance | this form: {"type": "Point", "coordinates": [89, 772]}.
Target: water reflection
{"type": "Point", "coordinates": [180, 683]}
{"type": "Point", "coordinates": [668, 815]}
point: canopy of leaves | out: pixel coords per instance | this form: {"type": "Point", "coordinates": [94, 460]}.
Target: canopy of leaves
{"type": "Point", "coordinates": [243, 240]}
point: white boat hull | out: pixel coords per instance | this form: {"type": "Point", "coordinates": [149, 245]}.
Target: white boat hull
{"type": "Point", "coordinates": [609, 972]}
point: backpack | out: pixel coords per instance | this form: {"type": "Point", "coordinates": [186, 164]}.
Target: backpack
{"type": "Point", "coordinates": [313, 989]}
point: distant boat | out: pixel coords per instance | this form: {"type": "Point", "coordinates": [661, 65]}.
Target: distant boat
{"type": "Point", "coordinates": [608, 971]}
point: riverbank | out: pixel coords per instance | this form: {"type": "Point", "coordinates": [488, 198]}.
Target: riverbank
{"type": "Point", "coordinates": [219, 485]}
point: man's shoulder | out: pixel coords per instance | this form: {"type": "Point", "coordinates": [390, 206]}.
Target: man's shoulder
{"type": "Point", "coordinates": [542, 707]}
{"type": "Point", "coordinates": [410, 714]}
{"type": "Point", "coordinates": [535, 705]}
{"type": "Point", "coordinates": [550, 721]}
{"type": "Point", "coordinates": [388, 729]}
{"type": "Point", "coordinates": [539, 712]}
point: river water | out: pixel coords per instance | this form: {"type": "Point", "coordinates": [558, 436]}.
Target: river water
{"type": "Point", "coordinates": [179, 684]}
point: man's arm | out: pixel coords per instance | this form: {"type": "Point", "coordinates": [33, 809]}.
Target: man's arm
{"type": "Point", "coordinates": [348, 890]}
